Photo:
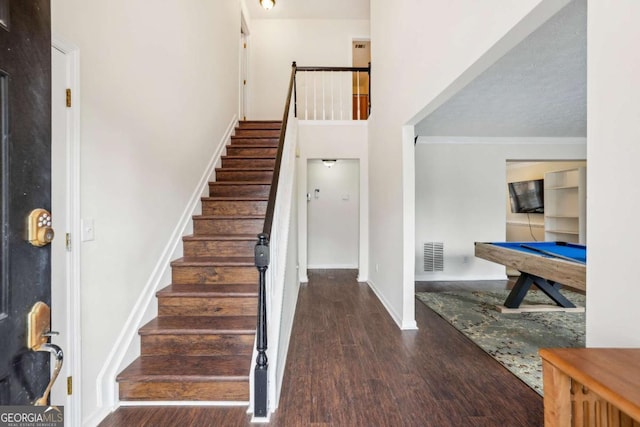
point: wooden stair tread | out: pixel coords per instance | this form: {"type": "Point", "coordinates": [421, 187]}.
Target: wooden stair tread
{"type": "Point", "coordinates": [214, 261]}
{"type": "Point", "coordinates": [230, 237]}
{"type": "Point", "coordinates": [224, 290]}
{"type": "Point", "coordinates": [236, 199]}
{"type": "Point", "coordinates": [240, 182]}
{"type": "Point", "coordinates": [187, 368]}
{"type": "Point", "coordinates": [227, 169]}
{"type": "Point", "coordinates": [271, 138]}
{"type": "Point", "coordinates": [170, 325]}
{"type": "Point", "coordinates": [228, 217]}
{"type": "Point", "coordinates": [249, 156]}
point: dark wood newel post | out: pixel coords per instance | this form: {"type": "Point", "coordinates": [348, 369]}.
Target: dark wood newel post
{"type": "Point", "coordinates": [260, 373]}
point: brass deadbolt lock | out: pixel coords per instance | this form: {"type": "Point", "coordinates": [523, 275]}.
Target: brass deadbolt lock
{"type": "Point", "coordinates": [40, 231]}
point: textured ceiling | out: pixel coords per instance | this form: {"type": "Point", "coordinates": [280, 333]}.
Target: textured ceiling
{"type": "Point", "coordinates": [537, 89]}
{"type": "Point", "coordinates": [311, 9]}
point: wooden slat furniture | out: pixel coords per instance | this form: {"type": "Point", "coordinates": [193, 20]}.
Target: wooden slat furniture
{"type": "Point", "coordinates": [595, 387]}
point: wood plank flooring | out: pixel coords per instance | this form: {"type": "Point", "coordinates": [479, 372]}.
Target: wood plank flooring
{"type": "Point", "coordinates": [350, 365]}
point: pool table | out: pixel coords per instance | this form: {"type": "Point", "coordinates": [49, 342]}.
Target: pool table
{"type": "Point", "coordinates": [548, 265]}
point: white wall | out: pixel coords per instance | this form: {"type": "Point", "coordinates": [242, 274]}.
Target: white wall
{"type": "Point", "coordinates": [334, 140]}
{"type": "Point", "coordinates": [333, 215]}
{"type": "Point", "coordinates": [460, 197]}
{"type": "Point", "coordinates": [159, 88]}
{"type": "Point", "coordinates": [522, 226]}
{"type": "Point", "coordinates": [422, 53]}
{"type": "Point", "coordinates": [276, 43]}
{"type": "Point", "coordinates": [613, 112]}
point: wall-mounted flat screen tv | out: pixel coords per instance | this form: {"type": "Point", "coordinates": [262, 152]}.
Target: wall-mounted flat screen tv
{"type": "Point", "coordinates": [527, 196]}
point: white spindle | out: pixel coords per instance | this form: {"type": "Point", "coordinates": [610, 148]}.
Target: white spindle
{"type": "Point", "coordinates": [358, 92]}
{"type": "Point", "coordinates": [341, 103]}
{"type": "Point", "coordinates": [315, 97]}
{"type": "Point", "coordinates": [306, 97]}
{"type": "Point", "coordinates": [332, 101]}
{"type": "Point", "coordinates": [323, 100]}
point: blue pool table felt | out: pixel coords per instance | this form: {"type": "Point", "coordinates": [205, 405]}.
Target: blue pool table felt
{"type": "Point", "coordinates": [569, 250]}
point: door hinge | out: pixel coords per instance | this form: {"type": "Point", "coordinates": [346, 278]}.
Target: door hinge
{"type": "Point", "coordinates": [67, 242]}
{"type": "Point", "coordinates": [245, 45]}
{"type": "Point", "coordinates": [244, 82]}
{"type": "Point", "coordinates": [68, 98]}
{"type": "Point", "coordinates": [69, 386]}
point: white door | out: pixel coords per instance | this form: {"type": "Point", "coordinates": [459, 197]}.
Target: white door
{"type": "Point", "coordinates": [333, 214]}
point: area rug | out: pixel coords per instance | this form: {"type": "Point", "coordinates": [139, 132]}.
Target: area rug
{"type": "Point", "coordinates": [511, 339]}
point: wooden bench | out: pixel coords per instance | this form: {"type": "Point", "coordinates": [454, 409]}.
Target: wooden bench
{"type": "Point", "coordinates": [595, 387]}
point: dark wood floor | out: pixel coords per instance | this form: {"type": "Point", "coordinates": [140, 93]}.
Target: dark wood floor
{"type": "Point", "coordinates": [350, 365]}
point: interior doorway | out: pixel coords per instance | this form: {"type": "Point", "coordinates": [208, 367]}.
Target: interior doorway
{"type": "Point", "coordinates": [333, 214]}
{"type": "Point", "coordinates": [361, 54]}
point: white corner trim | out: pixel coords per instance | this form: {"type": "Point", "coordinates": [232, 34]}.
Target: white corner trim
{"type": "Point", "coordinates": [106, 379]}
{"type": "Point", "coordinates": [304, 278]}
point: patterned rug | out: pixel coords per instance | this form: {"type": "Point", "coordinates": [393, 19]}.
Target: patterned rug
{"type": "Point", "coordinates": [511, 339]}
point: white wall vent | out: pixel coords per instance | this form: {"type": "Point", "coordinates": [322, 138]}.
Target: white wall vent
{"type": "Point", "coordinates": [434, 256]}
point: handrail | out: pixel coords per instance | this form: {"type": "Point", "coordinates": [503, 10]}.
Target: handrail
{"type": "Point", "coordinates": [262, 251]}
{"type": "Point", "coordinates": [354, 69]}
{"type": "Point", "coordinates": [262, 264]}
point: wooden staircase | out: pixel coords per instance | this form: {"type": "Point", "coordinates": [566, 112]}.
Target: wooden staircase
{"type": "Point", "coordinates": [200, 345]}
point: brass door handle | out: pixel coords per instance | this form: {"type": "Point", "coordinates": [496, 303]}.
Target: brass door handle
{"type": "Point", "coordinates": [59, 355]}
{"type": "Point", "coordinates": [39, 331]}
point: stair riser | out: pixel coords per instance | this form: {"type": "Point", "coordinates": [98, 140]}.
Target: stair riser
{"type": "Point", "coordinates": [201, 306]}
{"type": "Point", "coordinates": [260, 125]}
{"type": "Point", "coordinates": [234, 207]}
{"type": "Point", "coordinates": [243, 142]}
{"type": "Point", "coordinates": [258, 133]}
{"type": "Point", "coordinates": [224, 175]}
{"type": "Point", "coordinates": [248, 163]}
{"type": "Point", "coordinates": [219, 248]}
{"type": "Point", "coordinates": [238, 150]}
{"type": "Point", "coordinates": [228, 226]}
{"type": "Point", "coordinates": [197, 345]}
{"type": "Point", "coordinates": [244, 190]}
{"type": "Point", "coordinates": [213, 275]}
{"type": "Point", "coordinates": [185, 390]}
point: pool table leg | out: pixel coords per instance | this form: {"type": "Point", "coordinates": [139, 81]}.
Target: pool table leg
{"type": "Point", "coordinates": [552, 290]}
{"type": "Point", "coordinates": [523, 284]}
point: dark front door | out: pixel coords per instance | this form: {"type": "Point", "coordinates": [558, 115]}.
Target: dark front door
{"type": "Point", "coordinates": [25, 172]}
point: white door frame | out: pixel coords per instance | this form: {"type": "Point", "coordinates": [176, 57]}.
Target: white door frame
{"type": "Point", "coordinates": [244, 67]}
{"type": "Point", "coordinates": [72, 287]}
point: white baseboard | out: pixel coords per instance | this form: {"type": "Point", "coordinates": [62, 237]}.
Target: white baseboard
{"type": "Point", "coordinates": [332, 266]}
{"type": "Point", "coordinates": [97, 416]}
{"type": "Point", "coordinates": [106, 379]}
{"type": "Point", "coordinates": [456, 278]}
{"type": "Point", "coordinates": [396, 318]}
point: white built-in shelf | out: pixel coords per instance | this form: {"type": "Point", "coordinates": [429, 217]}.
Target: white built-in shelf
{"type": "Point", "coordinates": [565, 207]}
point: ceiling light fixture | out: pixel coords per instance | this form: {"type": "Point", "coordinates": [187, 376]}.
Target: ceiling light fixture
{"type": "Point", "coordinates": [329, 162]}
{"type": "Point", "coordinates": [267, 4]}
